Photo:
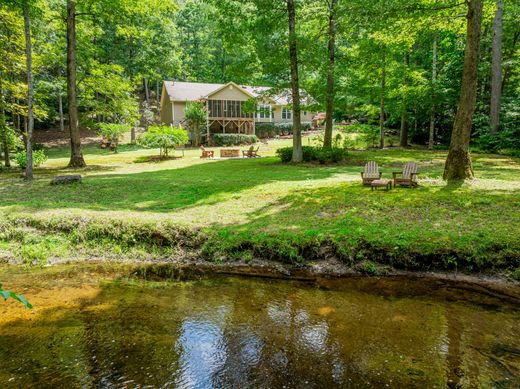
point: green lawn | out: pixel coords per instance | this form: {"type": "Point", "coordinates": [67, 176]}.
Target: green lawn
{"type": "Point", "coordinates": [262, 208]}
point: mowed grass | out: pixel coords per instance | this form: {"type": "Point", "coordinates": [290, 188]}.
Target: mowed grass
{"type": "Point", "coordinates": [243, 203]}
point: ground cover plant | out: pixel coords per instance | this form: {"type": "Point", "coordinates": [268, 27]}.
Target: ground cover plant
{"type": "Point", "coordinates": [262, 208]}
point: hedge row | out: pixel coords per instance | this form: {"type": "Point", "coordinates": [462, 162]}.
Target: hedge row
{"type": "Point", "coordinates": [233, 139]}
{"type": "Point", "coordinates": [270, 130]}
{"type": "Point", "coordinates": [315, 154]}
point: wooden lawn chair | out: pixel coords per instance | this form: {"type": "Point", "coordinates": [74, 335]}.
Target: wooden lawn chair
{"type": "Point", "coordinates": [408, 177]}
{"type": "Point", "coordinates": [370, 173]}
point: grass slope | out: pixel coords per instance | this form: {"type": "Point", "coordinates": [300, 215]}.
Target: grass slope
{"type": "Point", "coordinates": [232, 209]}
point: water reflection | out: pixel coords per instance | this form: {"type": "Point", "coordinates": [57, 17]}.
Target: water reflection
{"type": "Point", "coordinates": [241, 333]}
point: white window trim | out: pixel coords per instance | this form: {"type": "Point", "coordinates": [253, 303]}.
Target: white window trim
{"type": "Point", "coordinates": [286, 113]}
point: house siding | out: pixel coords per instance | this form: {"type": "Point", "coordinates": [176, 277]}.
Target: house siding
{"type": "Point", "coordinates": [229, 93]}
{"type": "Point", "coordinates": [179, 111]}
{"type": "Point", "coordinates": [166, 110]}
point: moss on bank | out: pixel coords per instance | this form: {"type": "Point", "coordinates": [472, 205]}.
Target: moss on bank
{"type": "Point", "coordinates": [34, 240]}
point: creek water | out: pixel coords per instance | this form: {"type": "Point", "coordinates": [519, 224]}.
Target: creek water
{"type": "Point", "coordinates": [96, 326]}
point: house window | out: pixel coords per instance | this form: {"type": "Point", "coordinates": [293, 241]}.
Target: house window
{"type": "Point", "coordinates": [286, 113]}
{"type": "Point", "coordinates": [264, 111]}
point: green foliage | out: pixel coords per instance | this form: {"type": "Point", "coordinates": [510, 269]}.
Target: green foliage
{"type": "Point", "coordinates": [39, 157]}
{"type": "Point", "coordinates": [113, 132]}
{"type": "Point", "coordinates": [315, 154]}
{"type": "Point", "coordinates": [164, 138]}
{"type": "Point", "coordinates": [6, 294]}
{"type": "Point", "coordinates": [196, 115]}
{"type": "Point", "coordinates": [270, 130]}
{"type": "Point", "coordinates": [234, 139]}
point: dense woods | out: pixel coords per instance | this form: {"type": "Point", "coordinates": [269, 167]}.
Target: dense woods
{"type": "Point", "coordinates": [437, 73]}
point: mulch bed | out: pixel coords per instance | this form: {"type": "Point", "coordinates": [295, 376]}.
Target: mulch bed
{"type": "Point", "coordinates": [53, 137]}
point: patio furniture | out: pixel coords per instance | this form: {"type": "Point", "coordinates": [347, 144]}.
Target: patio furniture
{"type": "Point", "coordinates": [207, 153]}
{"type": "Point", "coordinates": [381, 184]}
{"type": "Point", "coordinates": [370, 173]}
{"type": "Point", "coordinates": [408, 177]}
{"type": "Point", "coordinates": [251, 152]}
{"type": "Point", "coordinates": [230, 153]}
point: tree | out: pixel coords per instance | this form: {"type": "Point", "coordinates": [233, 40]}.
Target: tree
{"type": "Point", "coordinates": [164, 138]}
{"type": "Point", "coordinates": [403, 138]}
{"type": "Point", "coordinates": [196, 115]}
{"type": "Point", "coordinates": [496, 68]}
{"type": "Point", "coordinates": [30, 92]}
{"type": "Point", "coordinates": [382, 103]}
{"type": "Point", "coordinates": [76, 156]}
{"type": "Point", "coordinates": [458, 163]}
{"type": "Point", "coordinates": [329, 104]}
{"type": "Point", "coordinates": [295, 84]}
{"type": "Point", "coordinates": [434, 80]}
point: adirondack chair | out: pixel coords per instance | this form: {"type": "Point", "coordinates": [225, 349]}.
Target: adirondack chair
{"type": "Point", "coordinates": [408, 177]}
{"type": "Point", "coordinates": [251, 152]}
{"type": "Point", "coordinates": [207, 153]}
{"type": "Point", "coordinates": [370, 173]}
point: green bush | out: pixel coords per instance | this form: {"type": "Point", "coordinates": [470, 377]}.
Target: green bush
{"type": "Point", "coordinates": [113, 131]}
{"type": "Point", "coordinates": [164, 138]}
{"type": "Point", "coordinates": [315, 154]}
{"type": "Point", "coordinates": [270, 130]}
{"type": "Point", "coordinates": [234, 139]}
{"type": "Point", "coordinates": [39, 157]}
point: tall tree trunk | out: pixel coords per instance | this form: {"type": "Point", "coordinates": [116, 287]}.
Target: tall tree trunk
{"type": "Point", "coordinates": [403, 141]}
{"type": "Point", "coordinates": [146, 90]}
{"type": "Point", "coordinates": [76, 156]}
{"type": "Point", "coordinates": [30, 91]}
{"type": "Point", "coordinates": [496, 68]}
{"type": "Point", "coordinates": [431, 138]}
{"type": "Point", "coordinates": [458, 163]}
{"type": "Point", "coordinates": [3, 129]}
{"type": "Point", "coordinates": [382, 104]}
{"type": "Point", "coordinates": [157, 93]}
{"type": "Point", "coordinates": [295, 84]}
{"type": "Point", "coordinates": [329, 104]}
{"type": "Point", "coordinates": [60, 107]}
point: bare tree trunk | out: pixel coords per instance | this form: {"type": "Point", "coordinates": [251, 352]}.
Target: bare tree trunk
{"type": "Point", "coordinates": [5, 142]}
{"type": "Point", "coordinates": [76, 156]}
{"type": "Point", "coordinates": [382, 104]}
{"type": "Point", "coordinates": [295, 84]}
{"type": "Point", "coordinates": [458, 163]}
{"type": "Point", "coordinates": [60, 106]}
{"type": "Point", "coordinates": [30, 91]}
{"type": "Point", "coordinates": [146, 90]}
{"type": "Point", "coordinates": [431, 138]}
{"type": "Point", "coordinates": [496, 68]}
{"type": "Point", "coordinates": [329, 104]}
{"type": "Point", "coordinates": [157, 93]}
{"type": "Point", "coordinates": [403, 141]}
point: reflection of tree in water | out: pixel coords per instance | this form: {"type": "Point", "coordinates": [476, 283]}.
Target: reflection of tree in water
{"type": "Point", "coordinates": [250, 333]}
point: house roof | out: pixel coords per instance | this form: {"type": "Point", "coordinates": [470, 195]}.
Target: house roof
{"type": "Point", "coordinates": [182, 91]}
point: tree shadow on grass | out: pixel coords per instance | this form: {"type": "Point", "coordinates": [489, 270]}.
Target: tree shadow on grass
{"type": "Point", "coordinates": [161, 191]}
{"type": "Point", "coordinates": [353, 210]}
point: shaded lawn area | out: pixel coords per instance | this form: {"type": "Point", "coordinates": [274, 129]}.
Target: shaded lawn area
{"type": "Point", "coordinates": [244, 202]}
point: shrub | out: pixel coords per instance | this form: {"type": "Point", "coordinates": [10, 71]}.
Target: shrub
{"type": "Point", "coordinates": [112, 132]}
{"type": "Point", "coordinates": [315, 154]}
{"type": "Point", "coordinates": [270, 130]}
{"type": "Point", "coordinates": [39, 157]}
{"type": "Point", "coordinates": [164, 138]}
{"type": "Point", "coordinates": [234, 139]}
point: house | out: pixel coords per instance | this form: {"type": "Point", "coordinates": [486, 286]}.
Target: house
{"type": "Point", "coordinates": [225, 104]}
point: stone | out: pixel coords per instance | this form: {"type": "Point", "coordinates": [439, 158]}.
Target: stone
{"type": "Point", "coordinates": [58, 180]}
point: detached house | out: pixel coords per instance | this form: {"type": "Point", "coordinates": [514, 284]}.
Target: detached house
{"type": "Point", "coordinates": [225, 103]}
